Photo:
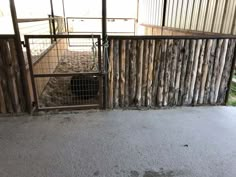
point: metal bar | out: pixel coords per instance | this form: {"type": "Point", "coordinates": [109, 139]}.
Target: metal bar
{"type": "Point", "coordinates": [100, 32]}
{"type": "Point", "coordinates": [25, 20]}
{"type": "Point", "coordinates": [214, 16]}
{"type": "Point", "coordinates": [174, 37]}
{"type": "Point", "coordinates": [31, 71]}
{"type": "Point", "coordinates": [8, 36]}
{"type": "Point", "coordinates": [224, 15]}
{"type": "Point", "coordinates": [207, 11]}
{"type": "Point", "coordinates": [68, 74]}
{"type": "Point", "coordinates": [71, 107]}
{"type": "Point", "coordinates": [62, 36]}
{"type": "Point", "coordinates": [163, 16]}
{"type": "Point", "coordinates": [101, 96]}
{"type": "Point", "coordinates": [231, 76]}
{"type": "Point", "coordinates": [20, 56]}
{"type": "Point", "coordinates": [104, 40]}
{"type": "Point", "coordinates": [53, 20]}
{"type": "Point", "coordinates": [99, 18]}
{"type": "Point", "coordinates": [64, 13]}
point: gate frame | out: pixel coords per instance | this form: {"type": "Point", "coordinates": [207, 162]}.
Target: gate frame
{"type": "Point", "coordinates": [100, 73]}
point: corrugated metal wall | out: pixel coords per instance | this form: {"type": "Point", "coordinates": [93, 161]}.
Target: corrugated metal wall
{"type": "Point", "coordinates": [218, 16]}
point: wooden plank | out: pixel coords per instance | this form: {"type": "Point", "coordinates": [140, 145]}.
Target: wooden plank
{"type": "Point", "coordinates": [181, 51]}
{"type": "Point", "coordinates": [221, 67]}
{"type": "Point", "coordinates": [210, 73]}
{"type": "Point", "coordinates": [162, 73]}
{"type": "Point", "coordinates": [127, 80]}
{"type": "Point", "coordinates": [133, 71]}
{"type": "Point", "coordinates": [111, 74]}
{"type": "Point", "coordinates": [189, 71]}
{"type": "Point", "coordinates": [194, 70]}
{"type": "Point", "coordinates": [156, 72]}
{"type": "Point", "coordinates": [116, 73]}
{"type": "Point", "coordinates": [139, 72]}
{"type": "Point", "coordinates": [226, 73]}
{"type": "Point", "coordinates": [199, 73]}
{"type": "Point", "coordinates": [205, 68]}
{"type": "Point", "coordinates": [145, 72]}
{"type": "Point", "coordinates": [174, 59]}
{"type": "Point", "coordinates": [122, 73]}
{"type": "Point", "coordinates": [186, 52]}
{"type": "Point", "coordinates": [150, 71]}
{"type": "Point", "coordinates": [215, 72]}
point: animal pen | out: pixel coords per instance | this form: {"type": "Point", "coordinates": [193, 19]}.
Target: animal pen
{"type": "Point", "coordinates": [65, 68]}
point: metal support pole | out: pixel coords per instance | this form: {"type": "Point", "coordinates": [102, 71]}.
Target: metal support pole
{"type": "Point", "coordinates": [53, 20]}
{"type": "Point", "coordinates": [163, 16]}
{"type": "Point", "coordinates": [105, 54]}
{"type": "Point", "coordinates": [64, 14]}
{"type": "Point", "coordinates": [20, 56]}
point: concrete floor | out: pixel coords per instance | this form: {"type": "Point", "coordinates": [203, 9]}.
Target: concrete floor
{"type": "Point", "coordinates": [185, 142]}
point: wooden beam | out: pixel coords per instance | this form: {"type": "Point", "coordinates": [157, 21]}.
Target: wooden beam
{"type": "Point", "coordinates": [20, 56]}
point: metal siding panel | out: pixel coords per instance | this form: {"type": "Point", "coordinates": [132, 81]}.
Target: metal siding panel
{"type": "Point", "coordinates": [170, 12]}
{"type": "Point", "coordinates": [219, 13]}
{"type": "Point", "coordinates": [210, 14]}
{"type": "Point", "coordinates": [189, 14]}
{"type": "Point", "coordinates": [178, 16]}
{"type": "Point", "coordinates": [196, 10]}
{"type": "Point", "coordinates": [202, 15]}
{"type": "Point", "coordinates": [183, 14]}
{"type": "Point", "coordinates": [174, 13]}
{"type": "Point", "coordinates": [161, 12]}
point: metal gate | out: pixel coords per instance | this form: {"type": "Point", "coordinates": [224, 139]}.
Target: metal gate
{"type": "Point", "coordinates": [65, 76]}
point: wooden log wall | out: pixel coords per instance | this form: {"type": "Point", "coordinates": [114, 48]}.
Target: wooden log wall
{"type": "Point", "coordinates": [12, 99]}
{"type": "Point", "coordinates": [159, 72]}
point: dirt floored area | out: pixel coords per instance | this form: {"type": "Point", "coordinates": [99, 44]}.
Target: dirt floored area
{"type": "Point", "coordinates": [59, 90]}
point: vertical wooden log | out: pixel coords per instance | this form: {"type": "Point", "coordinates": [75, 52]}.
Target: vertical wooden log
{"type": "Point", "coordinates": [194, 71]}
{"type": "Point", "coordinates": [226, 73]}
{"type": "Point", "coordinates": [139, 72]}
{"type": "Point", "coordinates": [215, 74]}
{"type": "Point", "coordinates": [205, 70]}
{"type": "Point", "coordinates": [133, 71]}
{"type": "Point", "coordinates": [186, 52]}
{"type": "Point", "coordinates": [111, 74]}
{"type": "Point", "coordinates": [221, 67]}
{"type": "Point", "coordinates": [167, 72]}
{"type": "Point", "coordinates": [162, 73]}
{"type": "Point", "coordinates": [157, 60]}
{"type": "Point", "coordinates": [174, 59]}
{"type": "Point", "coordinates": [206, 99]}
{"type": "Point", "coordinates": [2, 101]}
{"type": "Point", "coordinates": [150, 72]}
{"type": "Point", "coordinates": [122, 73]}
{"type": "Point", "coordinates": [199, 73]}
{"type": "Point", "coordinates": [189, 71]}
{"type": "Point", "coordinates": [181, 51]}
{"type": "Point", "coordinates": [17, 83]}
{"type": "Point", "coordinates": [145, 71]}
{"type": "Point", "coordinates": [116, 73]}
{"type": "Point", "coordinates": [6, 76]}
{"type": "Point", "coordinates": [127, 81]}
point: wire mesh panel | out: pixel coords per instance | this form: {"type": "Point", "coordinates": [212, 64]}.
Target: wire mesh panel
{"type": "Point", "coordinates": [65, 75]}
